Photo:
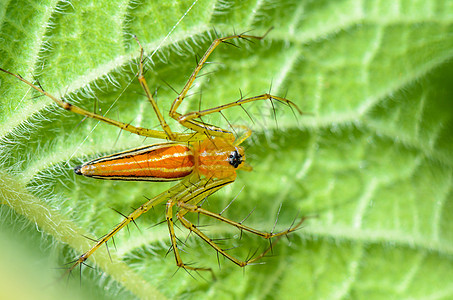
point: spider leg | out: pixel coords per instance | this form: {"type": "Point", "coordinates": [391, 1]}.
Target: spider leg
{"type": "Point", "coordinates": [187, 207]}
{"type": "Point", "coordinates": [123, 126]}
{"type": "Point", "coordinates": [179, 191]}
{"type": "Point", "coordinates": [199, 191]}
{"type": "Point", "coordinates": [198, 126]}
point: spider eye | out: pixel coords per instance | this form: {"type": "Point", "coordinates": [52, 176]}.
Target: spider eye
{"type": "Point", "coordinates": [235, 159]}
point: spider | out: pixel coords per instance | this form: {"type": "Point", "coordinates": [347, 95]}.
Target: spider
{"type": "Point", "coordinates": [203, 161]}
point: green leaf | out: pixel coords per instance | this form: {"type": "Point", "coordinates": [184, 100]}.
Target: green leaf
{"type": "Point", "coordinates": [370, 162]}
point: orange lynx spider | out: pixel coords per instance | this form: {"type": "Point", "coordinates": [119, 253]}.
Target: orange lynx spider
{"type": "Point", "coordinates": [204, 161]}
